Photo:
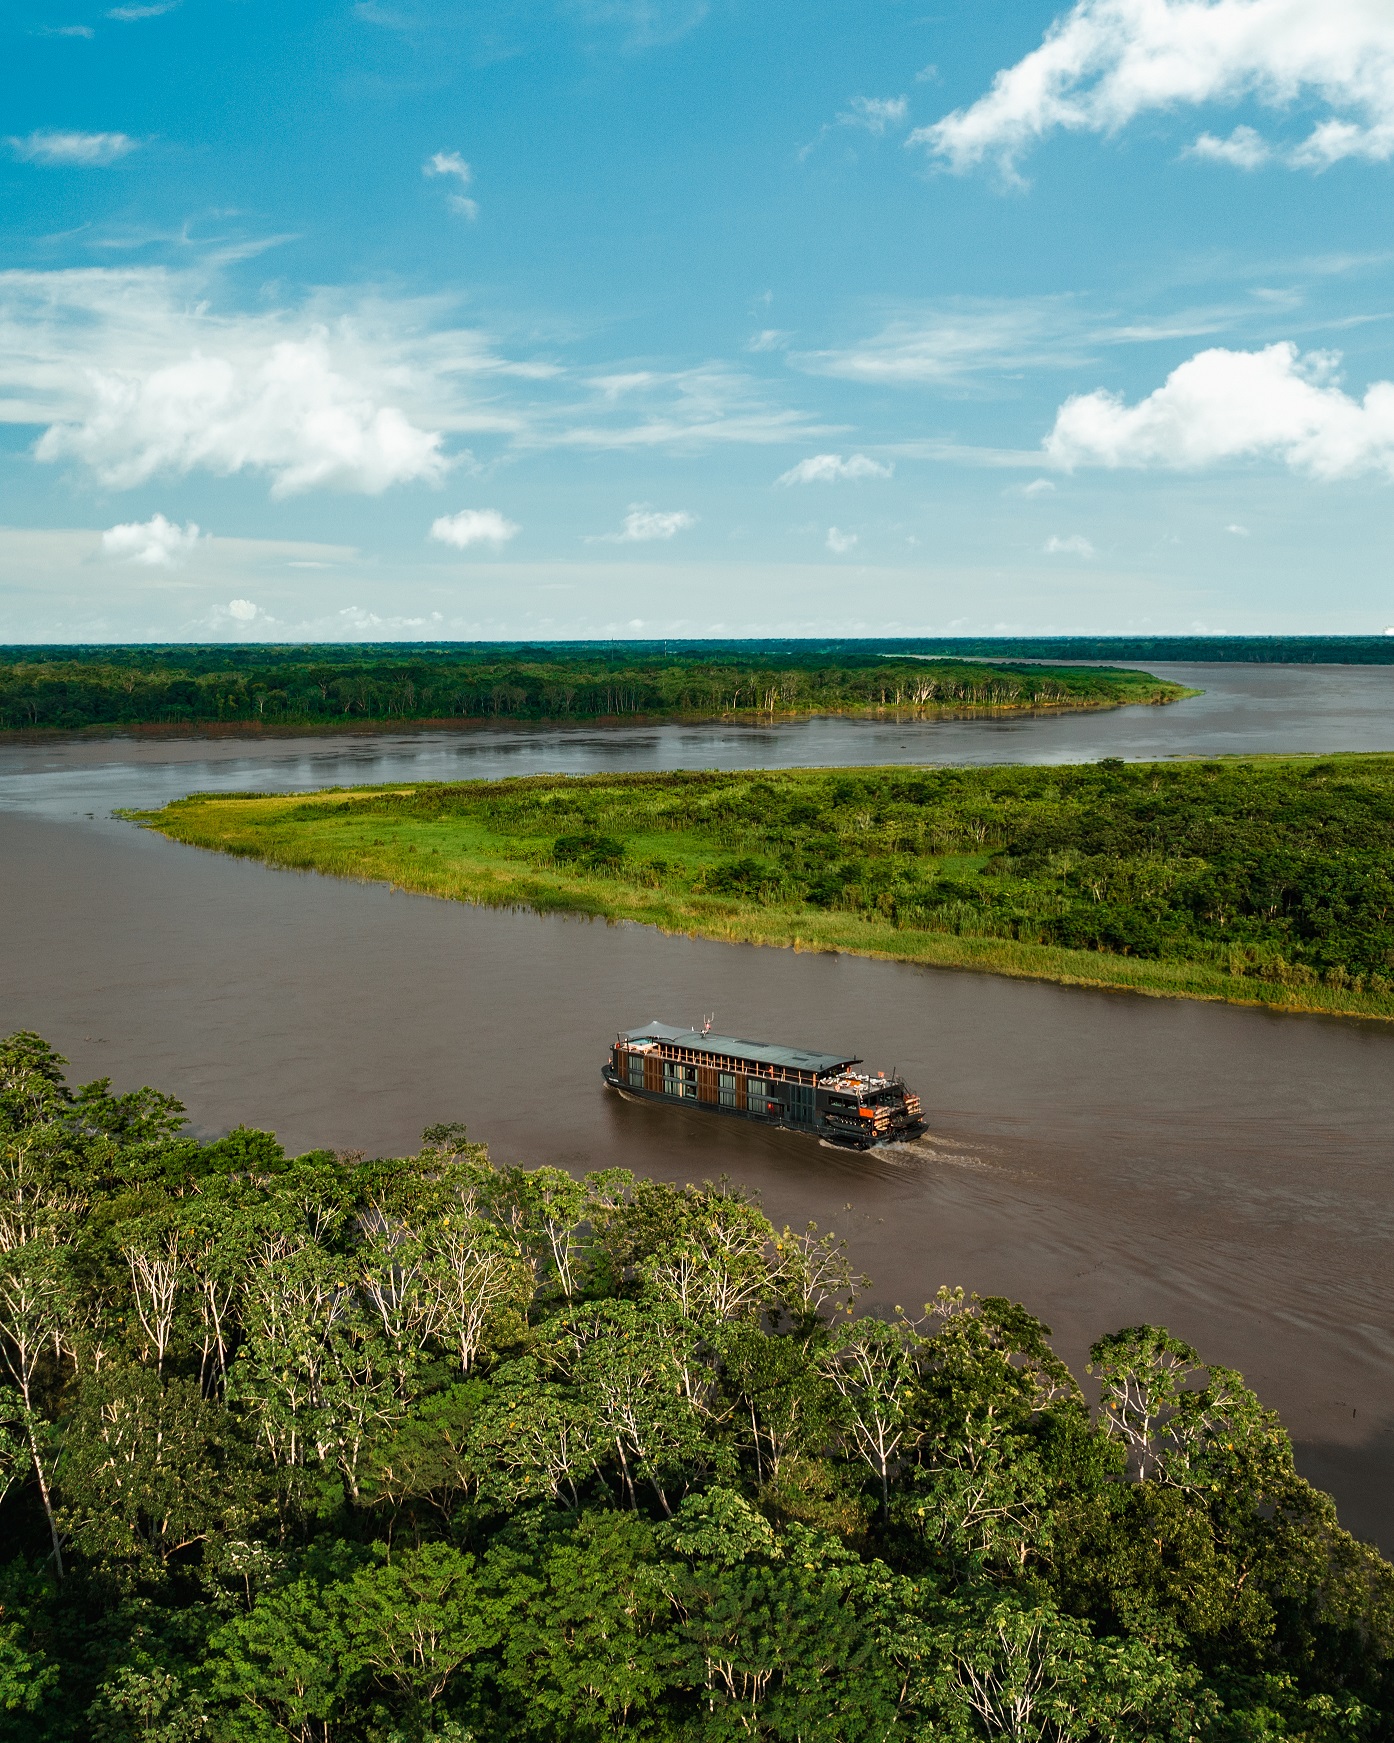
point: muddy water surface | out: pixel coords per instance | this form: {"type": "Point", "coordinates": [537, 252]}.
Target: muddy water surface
{"type": "Point", "coordinates": [1104, 1158]}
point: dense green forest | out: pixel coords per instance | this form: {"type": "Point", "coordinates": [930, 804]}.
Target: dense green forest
{"type": "Point", "coordinates": [336, 687]}
{"type": "Point", "coordinates": [1337, 650]}
{"type": "Point", "coordinates": [1273, 878]}
{"type": "Point", "coordinates": [341, 1450]}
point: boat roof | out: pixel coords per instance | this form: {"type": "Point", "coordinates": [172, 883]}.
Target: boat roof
{"type": "Point", "coordinates": [759, 1052]}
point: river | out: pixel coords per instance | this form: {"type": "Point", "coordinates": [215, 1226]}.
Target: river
{"type": "Point", "coordinates": [1104, 1158]}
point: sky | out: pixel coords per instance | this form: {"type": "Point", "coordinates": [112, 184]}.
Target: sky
{"type": "Point", "coordinates": [427, 319]}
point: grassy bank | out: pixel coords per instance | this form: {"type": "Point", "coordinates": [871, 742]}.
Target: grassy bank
{"type": "Point", "coordinates": [1257, 882]}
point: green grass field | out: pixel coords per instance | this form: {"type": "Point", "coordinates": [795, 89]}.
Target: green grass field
{"type": "Point", "coordinates": [1256, 882]}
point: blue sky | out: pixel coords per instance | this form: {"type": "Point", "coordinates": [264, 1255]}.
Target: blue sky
{"type": "Point", "coordinates": [418, 319]}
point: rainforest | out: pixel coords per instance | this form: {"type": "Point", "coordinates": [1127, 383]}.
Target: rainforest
{"type": "Point", "coordinates": [384, 1450]}
{"type": "Point", "coordinates": [323, 687]}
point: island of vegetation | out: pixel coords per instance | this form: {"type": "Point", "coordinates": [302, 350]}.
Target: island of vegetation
{"type": "Point", "coordinates": [335, 1450]}
{"type": "Point", "coordinates": [1259, 881]}
{"type": "Point", "coordinates": [325, 688]}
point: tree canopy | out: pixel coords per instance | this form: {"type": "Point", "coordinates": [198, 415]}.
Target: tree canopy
{"type": "Point", "coordinates": [69, 689]}
{"type": "Point", "coordinates": [343, 1449]}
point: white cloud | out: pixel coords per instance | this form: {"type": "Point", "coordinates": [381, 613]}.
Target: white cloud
{"type": "Point", "coordinates": [291, 413]}
{"type": "Point", "coordinates": [1073, 545]}
{"type": "Point", "coordinates": [696, 407]}
{"type": "Point", "coordinates": [829, 468]}
{"type": "Point", "coordinates": [139, 372]}
{"type": "Point", "coordinates": [876, 114]}
{"type": "Point", "coordinates": [80, 150]}
{"type": "Point", "coordinates": [1105, 62]}
{"type": "Point", "coordinates": [643, 524]}
{"type": "Point", "coordinates": [1038, 487]}
{"type": "Point", "coordinates": [83, 30]}
{"type": "Point", "coordinates": [950, 341]}
{"type": "Point", "coordinates": [474, 526]}
{"type": "Point", "coordinates": [839, 542]}
{"type": "Point", "coordinates": [242, 610]}
{"type": "Point", "coordinates": [1230, 405]}
{"type": "Point", "coordinates": [133, 14]}
{"type": "Point", "coordinates": [448, 163]}
{"type": "Point", "coordinates": [1243, 149]}
{"type": "Point", "coordinates": [156, 542]}
{"type": "Point", "coordinates": [136, 374]}
{"type": "Point", "coordinates": [1237, 530]}
{"type": "Point", "coordinates": [769, 339]}
{"type": "Point", "coordinates": [355, 617]}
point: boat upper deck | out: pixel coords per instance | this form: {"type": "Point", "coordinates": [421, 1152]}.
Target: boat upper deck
{"type": "Point", "coordinates": [730, 1052]}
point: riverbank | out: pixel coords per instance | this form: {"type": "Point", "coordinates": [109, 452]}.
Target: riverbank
{"type": "Point", "coordinates": [156, 731]}
{"type": "Point", "coordinates": [1258, 882]}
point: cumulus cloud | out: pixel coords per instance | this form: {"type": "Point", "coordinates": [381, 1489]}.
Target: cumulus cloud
{"type": "Point", "coordinates": [79, 150]}
{"type": "Point", "coordinates": [643, 524]}
{"type": "Point", "coordinates": [136, 374]}
{"type": "Point", "coordinates": [1242, 149]}
{"type": "Point", "coordinates": [157, 543]}
{"type": "Point", "coordinates": [1105, 62]}
{"type": "Point", "coordinates": [838, 542]}
{"type": "Point", "coordinates": [1232, 405]}
{"type": "Point", "coordinates": [474, 526]}
{"type": "Point", "coordinates": [829, 468]}
{"type": "Point", "coordinates": [242, 610]}
{"type": "Point", "coordinates": [291, 414]}
{"type": "Point", "coordinates": [1072, 545]}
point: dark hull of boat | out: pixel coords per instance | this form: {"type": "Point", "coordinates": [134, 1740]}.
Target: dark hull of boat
{"type": "Point", "coordinates": [822, 1129]}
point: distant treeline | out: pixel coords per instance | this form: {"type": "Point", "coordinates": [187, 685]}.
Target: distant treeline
{"type": "Point", "coordinates": [802, 653]}
{"type": "Point", "coordinates": [115, 687]}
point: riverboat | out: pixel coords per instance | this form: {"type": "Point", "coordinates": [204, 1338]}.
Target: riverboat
{"type": "Point", "coordinates": [818, 1093]}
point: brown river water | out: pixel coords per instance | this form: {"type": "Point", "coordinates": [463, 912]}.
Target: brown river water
{"type": "Point", "coordinates": [1105, 1158]}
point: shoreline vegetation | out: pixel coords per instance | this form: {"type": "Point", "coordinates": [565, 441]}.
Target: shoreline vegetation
{"type": "Point", "coordinates": [1264, 881]}
{"type": "Point", "coordinates": [113, 690]}
{"type": "Point", "coordinates": [423, 1449]}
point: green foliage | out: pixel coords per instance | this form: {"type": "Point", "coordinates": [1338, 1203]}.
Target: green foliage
{"type": "Point", "coordinates": [1277, 874]}
{"type": "Point", "coordinates": [348, 1451]}
{"type": "Point", "coordinates": [72, 688]}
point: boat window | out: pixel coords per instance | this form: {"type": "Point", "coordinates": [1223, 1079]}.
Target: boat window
{"type": "Point", "coordinates": [800, 1103]}
{"type": "Point", "coordinates": [636, 1069]}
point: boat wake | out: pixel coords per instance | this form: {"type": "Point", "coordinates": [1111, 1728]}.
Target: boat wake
{"type": "Point", "coordinates": [908, 1151]}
